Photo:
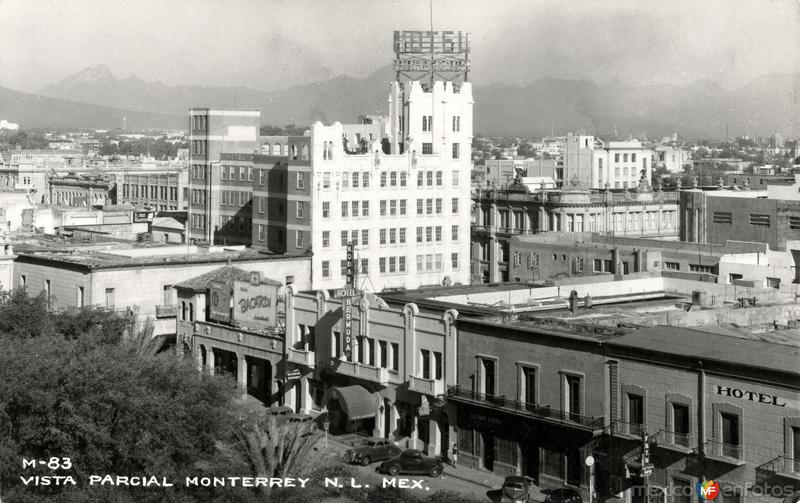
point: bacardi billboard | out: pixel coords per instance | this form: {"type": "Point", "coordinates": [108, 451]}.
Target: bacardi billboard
{"type": "Point", "coordinates": [255, 302]}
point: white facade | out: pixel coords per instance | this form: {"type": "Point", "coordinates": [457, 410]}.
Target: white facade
{"type": "Point", "coordinates": [417, 218]}
{"type": "Point", "coordinates": [620, 164]}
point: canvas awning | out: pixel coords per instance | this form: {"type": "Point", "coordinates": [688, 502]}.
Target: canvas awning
{"type": "Point", "coordinates": [355, 401]}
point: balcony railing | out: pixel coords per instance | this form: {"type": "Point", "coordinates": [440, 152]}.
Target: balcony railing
{"type": "Point", "coordinates": [301, 357]}
{"type": "Point", "coordinates": [539, 411]}
{"type": "Point", "coordinates": [672, 439]}
{"type": "Point", "coordinates": [627, 429]}
{"type": "Point", "coordinates": [430, 387]}
{"type": "Point", "coordinates": [375, 374]}
{"type": "Point", "coordinates": [783, 465]}
{"type": "Point", "coordinates": [166, 311]}
{"type": "Point", "coordinates": [724, 452]}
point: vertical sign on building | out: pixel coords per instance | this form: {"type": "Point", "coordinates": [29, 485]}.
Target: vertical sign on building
{"type": "Point", "coordinates": [347, 301]}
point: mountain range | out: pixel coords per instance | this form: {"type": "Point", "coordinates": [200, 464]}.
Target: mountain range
{"type": "Point", "coordinates": [94, 97]}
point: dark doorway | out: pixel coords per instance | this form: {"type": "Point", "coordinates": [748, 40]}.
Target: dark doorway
{"type": "Point", "coordinates": [574, 467]}
{"type": "Point", "coordinates": [530, 460]}
{"type": "Point", "coordinates": [259, 378]}
{"type": "Point", "coordinates": [488, 450]}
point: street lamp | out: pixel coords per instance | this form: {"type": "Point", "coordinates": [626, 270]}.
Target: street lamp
{"type": "Point", "coordinates": [590, 464]}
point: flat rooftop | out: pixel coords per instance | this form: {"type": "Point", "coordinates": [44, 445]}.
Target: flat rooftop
{"type": "Point", "coordinates": [114, 257]}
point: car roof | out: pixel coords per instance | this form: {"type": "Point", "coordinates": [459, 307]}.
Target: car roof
{"type": "Point", "coordinates": [519, 478]}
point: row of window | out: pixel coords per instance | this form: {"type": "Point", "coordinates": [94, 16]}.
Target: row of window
{"type": "Point", "coordinates": [155, 192]}
{"type": "Point", "coordinates": [427, 123]}
{"type": "Point", "coordinates": [245, 173]}
{"type": "Point", "coordinates": [198, 221]}
{"type": "Point", "coordinates": [199, 122]}
{"type": "Point", "coordinates": [431, 262]}
{"type": "Point", "coordinates": [199, 147]}
{"type": "Point", "coordinates": [368, 351]}
{"type": "Point", "coordinates": [756, 219]}
{"type": "Point", "coordinates": [234, 198]}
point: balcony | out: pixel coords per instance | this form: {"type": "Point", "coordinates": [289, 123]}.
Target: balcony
{"type": "Point", "coordinates": [166, 312]}
{"type": "Point", "coordinates": [301, 357]}
{"type": "Point", "coordinates": [674, 441]}
{"type": "Point", "coordinates": [726, 453]}
{"type": "Point", "coordinates": [361, 371]}
{"type": "Point", "coordinates": [532, 410]}
{"type": "Point", "coordinates": [783, 466]}
{"type": "Point", "coordinates": [627, 430]}
{"type": "Point", "coordinates": [430, 387]}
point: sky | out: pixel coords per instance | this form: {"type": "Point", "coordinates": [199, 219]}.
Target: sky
{"type": "Point", "coordinates": [272, 44]}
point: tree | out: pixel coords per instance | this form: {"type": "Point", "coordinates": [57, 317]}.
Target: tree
{"type": "Point", "coordinates": [98, 399]}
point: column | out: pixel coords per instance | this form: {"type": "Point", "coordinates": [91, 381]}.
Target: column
{"type": "Point", "coordinates": [241, 373]}
{"type": "Point", "coordinates": [435, 434]}
{"type": "Point", "coordinates": [198, 359]}
{"type": "Point", "coordinates": [305, 396]}
{"type": "Point", "coordinates": [210, 360]}
{"type": "Point", "coordinates": [493, 267]}
{"type": "Point", "coordinates": [377, 431]}
{"type": "Point", "coordinates": [392, 420]}
{"type": "Point", "coordinates": [415, 442]}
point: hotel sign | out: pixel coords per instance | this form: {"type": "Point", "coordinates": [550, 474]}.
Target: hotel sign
{"type": "Point", "coordinates": [751, 395]}
{"type": "Point", "coordinates": [347, 294]}
{"type": "Point", "coordinates": [255, 302]}
{"type": "Point", "coordinates": [142, 217]}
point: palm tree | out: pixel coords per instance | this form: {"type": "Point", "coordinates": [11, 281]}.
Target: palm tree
{"type": "Point", "coordinates": [272, 450]}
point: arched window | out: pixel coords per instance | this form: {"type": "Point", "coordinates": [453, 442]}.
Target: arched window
{"type": "Point", "coordinates": [325, 150]}
{"type": "Point", "coordinates": [424, 122]}
{"type": "Point", "coordinates": [294, 151]}
{"type": "Point", "coordinates": [304, 153]}
{"type": "Point", "coordinates": [183, 310]}
{"type": "Point", "coordinates": [191, 311]}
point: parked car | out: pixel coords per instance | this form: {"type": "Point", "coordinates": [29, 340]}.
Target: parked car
{"type": "Point", "coordinates": [566, 494]}
{"type": "Point", "coordinates": [412, 461]}
{"type": "Point", "coordinates": [516, 489]}
{"type": "Point", "coordinates": [373, 449]}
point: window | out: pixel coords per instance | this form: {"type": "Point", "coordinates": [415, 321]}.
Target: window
{"type": "Point", "coordinates": [794, 222]}
{"type": "Point", "coordinates": [80, 295]}
{"type": "Point", "coordinates": [110, 298]}
{"type": "Point", "coordinates": [395, 356]}
{"type": "Point", "coordinates": [364, 266]}
{"type": "Point", "coordinates": [392, 264]}
{"type": "Point", "coordinates": [355, 176]}
{"type": "Point", "coordinates": [730, 434]}
{"type": "Point", "coordinates": [456, 123]}
{"type": "Point", "coordinates": [326, 269]}
{"type": "Point", "coordinates": [345, 209]}
{"type": "Point", "coordinates": [298, 239]}
{"type": "Point", "coordinates": [326, 239]}
{"type": "Point", "coordinates": [300, 210]}
{"type": "Point", "coordinates": [343, 236]}
{"type": "Point", "coordinates": [455, 150]}
{"type": "Point", "coordinates": [454, 260]}
{"type": "Point", "coordinates": [392, 236]}
{"type": "Point", "coordinates": [383, 207]}
{"type": "Point", "coordinates": [242, 173]}
{"type": "Point", "coordinates": [701, 268]}
{"type": "Point", "coordinates": [438, 178]}
{"type": "Point", "coordinates": [425, 357]}
{"type": "Point", "coordinates": [722, 217]}
{"type": "Point", "coordinates": [438, 205]}
{"type": "Point", "coordinates": [454, 206]}
{"type": "Point", "coordinates": [383, 179]}
{"type": "Point", "coordinates": [528, 391]}
{"type": "Point", "coordinates": [326, 209]}
{"type": "Point", "coordinates": [354, 208]}
{"type": "Point", "coordinates": [427, 149]}
{"type": "Point", "coordinates": [680, 424]}
{"type": "Point", "coordinates": [419, 207]}
{"type": "Point", "coordinates": [429, 206]}
{"type": "Point", "coordinates": [572, 395]}
{"type": "Point", "coordinates": [454, 232]}
{"type": "Point", "coordinates": [419, 235]}
{"type": "Point", "coordinates": [364, 237]}
{"type": "Point", "coordinates": [364, 208]}
{"type": "Point", "coordinates": [382, 237]}
{"type": "Point", "coordinates": [428, 234]}
{"type": "Point", "coordinates": [393, 179]}
{"type": "Point", "coordinates": [22, 280]}
{"type": "Point", "coordinates": [393, 207]}
{"type": "Point", "coordinates": [455, 178]}
{"type": "Point", "coordinates": [759, 220]}
{"type": "Point", "coordinates": [249, 174]}
{"type": "Point", "coordinates": [675, 266]}
{"type": "Point", "coordinates": [365, 179]}
{"type": "Point", "coordinates": [402, 238]}
{"type": "Point", "coordinates": [402, 206]}
{"type": "Point", "coordinates": [383, 354]}
{"type": "Point", "coordinates": [633, 157]}
{"type": "Point", "coordinates": [420, 179]}
{"type": "Point", "coordinates": [401, 264]}
{"type": "Point", "coordinates": [403, 177]}
{"type": "Point", "coordinates": [635, 413]}
{"type": "Point", "coordinates": [487, 369]}
{"type": "Point", "coordinates": [624, 157]}
{"type": "Point", "coordinates": [261, 232]}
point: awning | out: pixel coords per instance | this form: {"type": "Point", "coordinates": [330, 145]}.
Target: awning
{"type": "Point", "coordinates": [355, 401]}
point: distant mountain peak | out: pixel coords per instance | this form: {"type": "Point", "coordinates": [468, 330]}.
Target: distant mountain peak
{"type": "Point", "coordinates": [91, 75]}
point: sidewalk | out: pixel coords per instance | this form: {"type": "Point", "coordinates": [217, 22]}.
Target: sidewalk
{"type": "Point", "coordinates": [487, 479]}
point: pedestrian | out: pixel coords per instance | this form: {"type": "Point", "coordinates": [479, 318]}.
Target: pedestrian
{"type": "Point", "coordinates": [455, 455]}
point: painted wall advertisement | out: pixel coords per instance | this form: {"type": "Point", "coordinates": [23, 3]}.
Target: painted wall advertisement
{"type": "Point", "coordinates": [255, 302]}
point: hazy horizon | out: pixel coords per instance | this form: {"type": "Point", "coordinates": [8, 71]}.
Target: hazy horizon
{"type": "Point", "coordinates": [188, 42]}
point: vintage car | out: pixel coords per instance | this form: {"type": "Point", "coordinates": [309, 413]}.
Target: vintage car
{"type": "Point", "coordinates": [566, 494]}
{"type": "Point", "coordinates": [412, 461]}
{"type": "Point", "coordinates": [373, 449]}
{"type": "Point", "coordinates": [516, 489]}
